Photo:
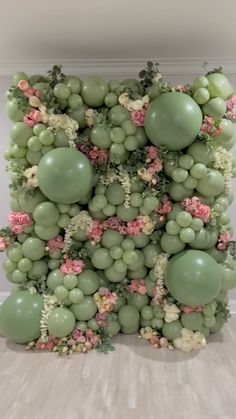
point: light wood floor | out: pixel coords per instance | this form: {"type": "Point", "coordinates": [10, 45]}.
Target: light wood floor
{"type": "Point", "coordinates": [134, 382]}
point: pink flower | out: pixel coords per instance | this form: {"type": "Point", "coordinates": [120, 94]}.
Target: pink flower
{"type": "Point", "coordinates": [163, 342]}
{"type": "Point", "coordinates": [192, 309]}
{"type": "Point", "coordinates": [29, 122]}
{"type": "Point", "coordinates": [50, 345]}
{"type": "Point", "coordinates": [137, 285]}
{"type": "Point", "coordinates": [223, 240]}
{"type": "Point", "coordinates": [93, 154]}
{"type": "Point", "coordinates": [152, 152]}
{"type": "Point", "coordinates": [181, 88]}
{"type": "Point", "coordinates": [196, 208]}
{"type": "Point", "coordinates": [138, 117]}
{"type": "Point", "coordinates": [96, 231]}
{"type": "Point", "coordinates": [154, 340]}
{"type": "Point", "coordinates": [135, 226]}
{"type": "Point", "coordinates": [55, 244]}
{"type": "Point", "coordinates": [17, 229]}
{"type": "Point", "coordinates": [29, 92]}
{"type": "Point", "coordinates": [88, 345]}
{"type": "Point", "coordinates": [3, 244]}
{"type": "Point", "coordinates": [23, 85]}
{"type": "Point", "coordinates": [114, 223]}
{"type": "Point", "coordinates": [35, 115]}
{"type": "Point", "coordinates": [72, 266]}
{"type": "Point", "coordinates": [40, 345]}
{"type": "Point", "coordinates": [165, 208]}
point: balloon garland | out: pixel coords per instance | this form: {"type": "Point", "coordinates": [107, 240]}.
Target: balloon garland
{"type": "Point", "coordinates": [118, 221]}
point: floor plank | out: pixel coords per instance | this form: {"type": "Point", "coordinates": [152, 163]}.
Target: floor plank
{"type": "Point", "coordinates": [133, 382]}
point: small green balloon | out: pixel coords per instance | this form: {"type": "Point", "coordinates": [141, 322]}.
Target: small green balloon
{"type": "Point", "coordinates": [162, 121]}
{"type": "Point", "coordinates": [70, 281]}
{"type": "Point", "coordinates": [215, 107]}
{"type": "Point", "coordinates": [171, 244]}
{"type": "Point", "coordinates": [88, 282]}
{"type": "Point", "coordinates": [212, 184]}
{"type": "Point", "coordinates": [46, 214]}
{"type": "Point", "coordinates": [201, 152]}
{"type": "Point", "coordinates": [54, 279]}
{"type": "Point", "coordinates": [85, 310]}
{"type": "Point", "coordinates": [61, 322]}
{"type": "Point", "coordinates": [76, 295]}
{"type": "Point", "coordinates": [138, 300]}
{"type": "Point", "coordinates": [20, 316]}
{"type": "Point", "coordinates": [14, 112]}
{"type": "Point", "coordinates": [118, 115]}
{"type": "Point", "coordinates": [128, 316]}
{"type": "Point", "coordinates": [172, 330]}
{"type": "Point", "coordinates": [33, 248]}
{"type": "Point", "coordinates": [220, 86]}
{"type": "Point", "coordinates": [29, 202]}
{"type": "Point", "coordinates": [101, 258]}
{"type": "Point", "coordinates": [112, 329]}
{"type": "Point", "coordinates": [61, 292]}
{"type": "Point", "coordinates": [20, 134]}
{"type": "Point", "coordinates": [192, 321]}
{"type": "Point", "coordinates": [94, 90]}
{"type": "Point", "coordinates": [113, 276]}
{"type": "Point", "coordinates": [100, 137]}
{"type": "Point", "coordinates": [58, 174]}
{"type": "Point", "coordinates": [147, 312]}
{"type": "Point", "coordinates": [38, 269]}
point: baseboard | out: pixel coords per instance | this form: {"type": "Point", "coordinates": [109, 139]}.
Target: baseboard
{"type": "Point", "coordinates": [232, 303]}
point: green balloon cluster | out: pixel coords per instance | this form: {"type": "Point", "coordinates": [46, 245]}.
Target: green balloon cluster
{"type": "Point", "coordinates": [108, 191]}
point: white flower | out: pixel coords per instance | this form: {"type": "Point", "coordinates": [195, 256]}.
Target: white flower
{"type": "Point", "coordinates": [31, 175]}
{"type": "Point", "coordinates": [137, 105]}
{"type": "Point", "coordinates": [157, 78]}
{"type": "Point", "coordinates": [145, 100]}
{"type": "Point", "coordinates": [190, 340]}
{"type": "Point", "coordinates": [184, 345]}
{"type": "Point", "coordinates": [171, 312]}
{"type": "Point", "coordinates": [34, 101]}
{"type": "Point", "coordinates": [124, 99]}
{"type": "Point", "coordinates": [223, 162]}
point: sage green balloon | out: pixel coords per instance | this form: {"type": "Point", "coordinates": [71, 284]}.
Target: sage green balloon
{"type": "Point", "coordinates": [120, 302]}
{"type": "Point", "coordinates": [112, 329]}
{"type": "Point", "coordinates": [14, 113]}
{"type": "Point", "coordinates": [174, 120]}
{"type": "Point", "coordinates": [118, 115]}
{"type": "Point", "coordinates": [54, 279]}
{"type": "Point", "coordinates": [140, 240]}
{"type": "Point", "coordinates": [151, 251]}
{"type": "Point", "coordinates": [216, 108]}
{"type": "Point", "coordinates": [193, 277]}
{"type": "Point", "coordinates": [20, 134]}
{"type": "Point", "coordinates": [128, 316]}
{"type": "Point", "coordinates": [61, 322]}
{"type": "Point", "coordinates": [94, 90]}
{"type": "Point", "coordinates": [46, 214]}
{"type": "Point", "coordinates": [229, 278]}
{"type": "Point", "coordinates": [47, 233]}
{"type": "Point", "coordinates": [33, 248]}
{"type": "Point", "coordinates": [138, 300]}
{"type": "Point", "coordinates": [29, 202]}
{"type": "Point", "coordinates": [115, 194]}
{"type": "Point", "coordinates": [126, 214]}
{"type": "Point", "coordinates": [212, 184]}
{"type": "Point", "coordinates": [171, 244]}
{"type": "Point", "coordinates": [218, 325]}
{"type": "Point", "coordinates": [192, 321]}
{"type": "Point", "coordinates": [130, 330]}
{"type": "Point", "coordinates": [111, 238]}
{"type": "Point", "coordinates": [220, 86]}
{"type": "Point", "coordinates": [38, 269]}
{"type": "Point", "coordinates": [61, 292]}
{"type": "Point", "coordinates": [201, 152]}
{"type": "Point", "coordinates": [219, 255]}
{"type": "Point", "coordinates": [100, 136]}
{"type": "Point", "coordinates": [101, 258]}
{"type": "Point", "coordinates": [65, 175]}
{"type": "Point", "coordinates": [88, 282]}
{"type": "Point", "coordinates": [227, 132]}
{"type": "Point", "coordinates": [85, 310]}
{"type": "Point", "coordinates": [178, 192]}
{"type": "Point", "coordinates": [172, 330]}
{"type": "Point", "coordinates": [20, 316]}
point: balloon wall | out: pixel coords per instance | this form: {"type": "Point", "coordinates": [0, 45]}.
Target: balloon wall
{"type": "Point", "coordinates": [118, 222]}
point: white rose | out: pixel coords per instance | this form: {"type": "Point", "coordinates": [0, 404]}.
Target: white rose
{"type": "Point", "coordinates": [34, 101]}
{"type": "Point", "coordinates": [137, 105]}
{"type": "Point", "coordinates": [145, 100]}
{"type": "Point", "coordinates": [124, 99]}
{"type": "Point", "coordinates": [170, 317]}
{"type": "Point", "coordinates": [186, 333]}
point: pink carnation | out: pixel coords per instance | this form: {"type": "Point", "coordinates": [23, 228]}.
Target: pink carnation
{"type": "Point", "coordinates": [196, 208]}
{"type": "Point", "coordinates": [3, 244]}
{"type": "Point", "coordinates": [165, 208]}
{"type": "Point", "coordinates": [23, 85]}
{"type": "Point", "coordinates": [135, 226]}
{"type": "Point", "coordinates": [152, 152]}
{"type": "Point", "coordinates": [55, 244]}
{"type": "Point", "coordinates": [72, 266]}
{"type": "Point", "coordinates": [96, 231]}
{"type": "Point", "coordinates": [17, 229]}
{"type": "Point", "coordinates": [223, 239]}
{"type": "Point", "coordinates": [137, 286]}
{"type": "Point", "coordinates": [138, 117]}
{"type": "Point", "coordinates": [192, 309]}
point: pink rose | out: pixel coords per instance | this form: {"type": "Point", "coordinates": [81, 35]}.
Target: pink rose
{"type": "Point", "coordinates": [203, 212]}
{"type": "Point", "coordinates": [35, 115]}
{"type": "Point", "coordinates": [23, 85]}
{"type": "Point", "coordinates": [93, 154]}
{"type": "Point", "coordinates": [142, 289]}
{"type": "Point", "coordinates": [17, 229]}
{"type": "Point", "coordinates": [29, 92]}
{"type": "Point", "coordinates": [152, 152]}
{"type": "Point", "coordinates": [3, 244]}
{"type": "Point", "coordinates": [29, 122]}
{"type": "Point", "coordinates": [24, 218]}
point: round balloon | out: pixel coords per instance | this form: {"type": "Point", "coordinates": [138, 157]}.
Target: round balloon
{"type": "Point", "coordinates": [193, 277]}
{"type": "Point", "coordinates": [65, 175]}
{"type": "Point", "coordinates": [94, 91]}
{"type": "Point", "coordinates": [61, 322]}
{"type": "Point", "coordinates": [20, 316]}
{"type": "Point", "coordinates": [173, 119]}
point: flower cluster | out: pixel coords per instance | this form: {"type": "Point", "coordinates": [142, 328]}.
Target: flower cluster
{"type": "Point", "coordinates": [114, 223]}
{"type": "Point", "coordinates": [105, 299]}
{"type": "Point", "coordinates": [71, 266]}
{"type": "Point", "coordinates": [211, 126]}
{"type": "Point", "coordinates": [192, 309]}
{"type": "Point", "coordinates": [101, 319]}
{"type": "Point", "coordinates": [137, 286]}
{"type": "Point", "coordinates": [96, 155]}
{"type": "Point", "coordinates": [95, 233]}
{"type": "Point", "coordinates": [49, 303]}
{"type": "Point", "coordinates": [196, 208]}
{"type": "Point", "coordinates": [171, 312]}
{"type": "Point", "coordinates": [164, 208]}
{"type": "Point", "coordinates": [3, 244]}
{"type": "Point", "coordinates": [190, 341]}
{"type": "Point", "coordinates": [82, 221]}
{"type": "Point", "coordinates": [149, 173]}
{"type": "Point", "coordinates": [6, 238]}
{"type": "Point", "coordinates": [138, 117]}
{"type": "Point", "coordinates": [133, 105]}
{"type": "Point", "coordinates": [183, 88]}
{"type": "Point", "coordinates": [64, 122]}
{"type": "Point", "coordinates": [29, 91]}
{"type": "Point", "coordinates": [159, 269]}
{"type": "Point", "coordinates": [18, 221]}
{"type": "Point", "coordinates": [32, 118]}
{"type": "Point", "coordinates": [151, 335]}
{"type": "Point", "coordinates": [55, 244]}
{"type": "Point", "coordinates": [224, 238]}
{"type": "Point", "coordinates": [231, 109]}
{"type": "Point", "coordinates": [222, 161]}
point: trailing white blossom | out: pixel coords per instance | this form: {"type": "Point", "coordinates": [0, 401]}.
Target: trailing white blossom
{"type": "Point", "coordinates": [223, 162]}
{"type": "Point", "coordinates": [159, 269]}
{"type": "Point", "coordinates": [190, 341]}
{"type": "Point", "coordinates": [49, 303]}
{"type": "Point", "coordinates": [81, 220]}
{"type": "Point", "coordinates": [60, 121]}
{"type": "Point", "coordinates": [123, 178]}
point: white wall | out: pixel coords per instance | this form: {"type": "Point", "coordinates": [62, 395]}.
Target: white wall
{"type": "Point", "coordinates": [4, 177]}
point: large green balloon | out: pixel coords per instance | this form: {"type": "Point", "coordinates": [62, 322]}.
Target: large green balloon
{"type": "Point", "coordinates": [94, 90]}
{"type": "Point", "coordinates": [193, 277]}
{"type": "Point", "coordinates": [192, 321]}
{"type": "Point", "coordinates": [20, 316]}
{"type": "Point", "coordinates": [88, 282]}
{"type": "Point", "coordinates": [46, 214]}
{"type": "Point", "coordinates": [61, 322]}
{"type": "Point", "coordinates": [174, 120]}
{"type": "Point", "coordinates": [220, 86]}
{"type": "Point", "coordinates": [65, 175]}
{"type": "Point", "coordinates": [128, 316]}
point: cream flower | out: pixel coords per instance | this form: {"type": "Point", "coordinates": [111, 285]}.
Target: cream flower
{"type": "Point", "coordinates": [157, 78]}
{"type": "Point", "coordinates": [184, 345]}
{"type": "Point", "coordinates": [34, 101]}
{"type": "Point", "coordinates": [137, 105]}
{"type": "Point", "coordinates": [148, 225]}
{"type": "Point", "coordinates": [190, 340]}
{"type": "Point", "coordinates": [69, 125]}
{"type": "Point", "coordinates": [145, 100]}
{"type": "Point", "coordinates": [223, 162]}
{"type": "Point", "coordinates": [31, 175]}
{"type": "Point", "coordinates": [171, 312]}
{"type": "Point", "coordinates": [124, 99]}
{"type": "Point", "coordinates": [145, 175]}
{"type": "Point", "coordinates": [89, 114]}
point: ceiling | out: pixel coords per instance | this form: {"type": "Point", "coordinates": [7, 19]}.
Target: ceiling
{"type": "Point", "coordinates": [120, 29]}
